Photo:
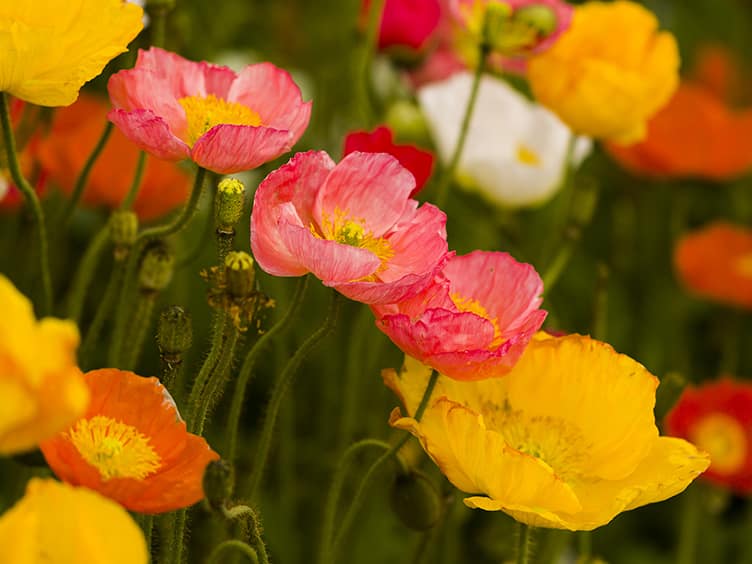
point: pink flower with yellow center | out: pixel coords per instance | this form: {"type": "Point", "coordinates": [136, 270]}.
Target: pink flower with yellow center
{"type": "Point", "coordinates": [474, 321]}
{"type": "Point", "coordinates": [224, 121]}
{"type": "Point", "coordinates": [352, 224]}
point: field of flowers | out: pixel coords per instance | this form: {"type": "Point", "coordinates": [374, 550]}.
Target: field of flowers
{"type": "Point", "coordinates": [375, 281]}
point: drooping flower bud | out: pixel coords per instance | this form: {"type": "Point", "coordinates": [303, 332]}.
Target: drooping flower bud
{"type": "Point", "coordinates": [174, 331]}
{"type": "Point", "coordinates": [217, 483]}
{"type": "Point", "coordinates": [123, 231]}
{"type": "Point", "coordinates": [415, 501]}
{"type": "Point", "coordinates": [156, 268]}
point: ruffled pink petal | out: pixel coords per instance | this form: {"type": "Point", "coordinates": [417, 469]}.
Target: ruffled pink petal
{"type": "Point", "coordinates": [273, 94]}
{"type": "Point", "coordinates": [151, 133]}
{"type": "Point", "coordinates": [329, 261]}
{"type": "Point", "coordinates": [476, 364]}
{"type": "Point", "coordinates": [286, 192]}
{"type": "Point", "coordinates": [418, 245]}
{"type": "Point", "coordinates": [436, 295]}
{"type": "Point", "coordinates": [182, 77]}
{"type": "Point", "coordinates": [371, 187]}
{"type": "Point", "coordinates": [217, 79]}
{"type": "Point", "coordinates": [509, 290]}
{"type": "Point", "coordinates": [226, 148]}
{"type": "Point", "coordinates": [391, 292]}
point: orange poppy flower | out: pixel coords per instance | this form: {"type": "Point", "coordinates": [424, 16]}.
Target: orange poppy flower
{"type": "Point", "coordinates": [716, 262]}
{"type": "Point", "coordinates": [74, 133]}
{"type": "Point", "coordinates": [697, 134]}
{"type": "Point", "coordinates": [717, 417]}
{"type": "Point", "coordinates": [131, 446]}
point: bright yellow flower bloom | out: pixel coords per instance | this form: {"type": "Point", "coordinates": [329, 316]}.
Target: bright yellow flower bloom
{"type": "Point", "coordinates": [42, 391]}
{"type": "Point", "coordinates": [56, 523]}
{"type": "Point", "coordinates": [609, 73]}
{"type": "Point", "coordinates": [567, 439]}
{"type": "Point", "coordinates": [52, 47]}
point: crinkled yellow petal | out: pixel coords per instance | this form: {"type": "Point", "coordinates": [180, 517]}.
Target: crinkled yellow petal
{"type": "Point", "coordinates": [55, 523]}
{"type": "Point", "coordinates": [607, 396]}
{"type": "Point", "coordinates": [52, 47]}
{"type": "Point", "coordinates": [476, 459]}
{"type": "Point", "coordinates": [42, 391]}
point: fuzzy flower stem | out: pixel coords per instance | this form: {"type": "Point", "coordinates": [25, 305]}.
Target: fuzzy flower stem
{"type": "Point", "coordinates": [130, 196]}
{"type": "Point", "coordinates": [155, 232]}
{"type": "Point", "coordinates": [234, 544]}
{"type": "Point", "coordinates": [525, 544]}
{"type": "Point", "coordinates": [83, 177]}
{"type": "Point", "coordinates": [280, 388]}
{"type": "Point", "coordinates": [689, 526]}
{"type": "Point", "coordinates": [91, 339]}
{"type": "Point", "coordinates": [442, 191]}
{"type": "Point", "coordinates": [85, 273]}
{"type": "Point", "coordinates": [236, 408]}
{"type": "Point", "coordinates": [197, 397]}
{"type": "Point", "coordinates": [139, 326]}
{"type": "Point", "coordinates": [254, 528]}
{"type": "Point", "coordinates": [369, 45]}
{"type": "Point", "coordinates": [31, 199]}
{"type": "Point", "coordinates": [357, 498]}
{"type": "Point", "coordinates": [332, 500]}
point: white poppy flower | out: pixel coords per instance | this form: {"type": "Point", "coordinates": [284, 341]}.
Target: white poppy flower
{"type": "Point", "coordinates": [515, 150]}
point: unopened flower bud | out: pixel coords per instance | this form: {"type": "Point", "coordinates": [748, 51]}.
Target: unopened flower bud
{"type": "Point", "coordinates": [230, 199]}
{"type": "Point", "coordinates": [217, 483]}
{"type": "Point", "coordinates": [123, 231]}
{"type": "Point", "coordinates": [240, 274]}
{"type": "Point", "coordinates": [538, 16]}
{"type": "Point", "coordinates": [174, 331]}
{"type": "Point", "coordinates": [495, 23]}
{"type": "Point", "coordinates": [156, 269]}
{"type": "Point", "coordinates": [415, 501]}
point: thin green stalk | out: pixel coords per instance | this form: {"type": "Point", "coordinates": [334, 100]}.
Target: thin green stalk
{"type": "Point", "coordinates": [332, 499]}
{"type": "Point", "coordinates": [138, 175]}
{"type": "Point", "coordinates": [254, 528]}
{"type": "Point", "coordinates": [584, 545]}
{"type": "Point", "coordinates": [280, 388]}
{"type": "Point", "coordinates": [158, 25]}
{"type": "Point", "coordinates": [236, 408]}
{"type": "Point", "coordinates": [233, 544]}
{"type": "Point", "coordinates": [357, 499]}
{"type": "Point", "coordinates": [177, 542]}
{"type": "Point", "coordinates": [91, 339]}
{"type": "Point", "coordinates": [363, 80]}
{"type": "Point", "coordinates": [85, 273]}
{"type": "Point", "coordinates": [31, 198]}
{"type": "Point", "coordinates": [156, 232]}
{"type": "Point", "coordinates": [442, 191]}
{"type": "Point", "coordinates": [195, 399]}
{"type": "Point", "coordinates": [138, 327]}
{"type": "Point", "coordinates": [217, 378]}
{"type": "Point", "coordinates": [525, 546]}
{"type": "Point", "coordinates": [689, 526]}
{"type": "Point", "coordinates": [83, 177]}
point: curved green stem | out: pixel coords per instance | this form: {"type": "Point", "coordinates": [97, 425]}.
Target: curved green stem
{"type": "Point", "coordinates": [332, 499]}
{"type": "Point", "coordinates": [254, 528]}
{"type": "Point", "coordinates": [363, 79]}
{"type": "Point", "coordinates": [31, 198]}
{"type": "Point", "coordinates": [689, 526]}
{"type": "Point", "coordinates": [442, 191]}
{"type": "Point", "coordinates": [85, 273]}
{"type": "Point", "coordinates": [236, 408]}
{"type": "Point", "coordinates": [280, 388]}
{"type": "Point", "coordinates": [138, 175]}
{"type": "Point", "coordinates": [233, 544]}
{"type": "Point", "coordinates": [83, 177]}
{"type": "Point", "coordinates": [198, 390]}
{"type": "Point", "coordinates": [138, 327]}
{"type": "Point", "coordinates": [110, 296]}
{"type": "Point", "coordinates": [357, 499]}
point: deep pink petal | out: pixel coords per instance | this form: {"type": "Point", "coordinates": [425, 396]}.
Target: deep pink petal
{"type": "Point", "coordinates": [436, 295]}
{"type": "Point", "coordinates": [233, 148]}
{"type": "Point", "coordinates": [273, 94]}
{"type": "Point", "coordinates": [181, 76]}
{"type": "Point", "coordinates": [369, 187]}
{"type": "Point", "coordinates": [217, 79]}
{"type": "Point", "coordinates": [418, 245]}
{"type": "Point", "coordinates": [151, 133]}
{"type": "Point", "coordinates": [329, 261]}
{"type": "Point", "coordinates": [408, 23]}
{"type": "Point", "coordinates": [286, 192]}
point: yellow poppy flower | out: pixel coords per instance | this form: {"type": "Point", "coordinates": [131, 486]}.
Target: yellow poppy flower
{"type": "Point", "coordinates": [566, 440]}
{"type": "Point", "coordinates": [52, 47]}
{"type": "Point", "coordinates": [56, 523]}
{"type": "Point", "coordinates": [42, 391]}
{"type": "Point", "coordinates": [602, 87]}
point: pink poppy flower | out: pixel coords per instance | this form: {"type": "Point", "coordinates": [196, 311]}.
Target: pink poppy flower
{"type": "Point", "coordinates": [381, 140]}
{"type": "Point", "coordinates": [226, 122]}
{"type": "Point", "coordinates": [406, 23]}
{"type": "Point", "coordinates": [353, 225]}
{"type": "Point", "coordinates": [474, 321]}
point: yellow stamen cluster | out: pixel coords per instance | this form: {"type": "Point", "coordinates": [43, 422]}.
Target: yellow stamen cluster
{"type": "Point", "coordinates": [724, 439]}
{"type": "Point", "coordinates": [204, 112]}
{"type": "Point", "coordinates": [115, 449]}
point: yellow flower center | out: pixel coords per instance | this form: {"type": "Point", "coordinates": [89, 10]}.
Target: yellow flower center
{"type": "Point", "coordinates": [744, 265]}
{"type": "Point", "coordinates": [527, 156]}
{"type": "Point", "coordinates": [115, 449]}
{"type": "Point", "coordinates": [474, 306]}
{"type": "Point", "coordinates": [353, 232]}
{"type": "Point", "coordinates": [555, 441]}
{"type": "Point", "coordinates": [204, 112]}
{"type": "Point", "coordinates": [724, 439]}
